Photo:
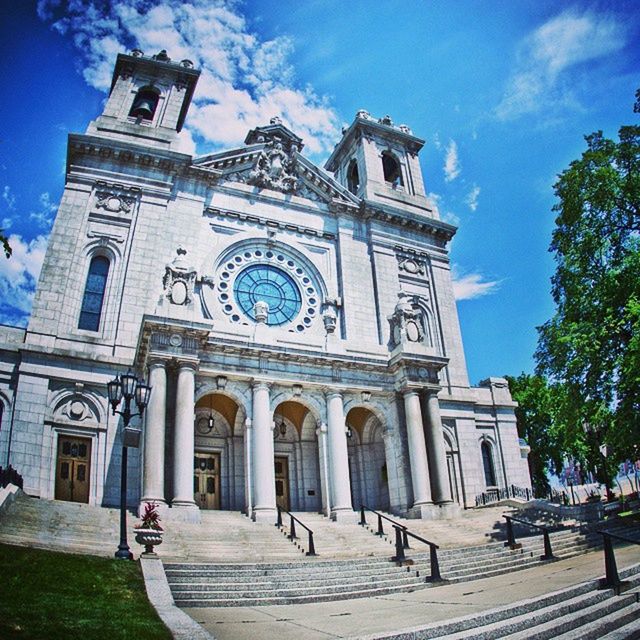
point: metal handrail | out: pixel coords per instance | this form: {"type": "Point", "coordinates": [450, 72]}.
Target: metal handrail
{"type": "Point", "coordinates": [380, 531]}
{"type": "Point", "coordinates": [292, 529]}
{"type": "Point", "coordinates": [612, 579]}
{"type": "Point", "coordinates": [403, 532]}
{"type": "Point", "coordinates": [511, 539]}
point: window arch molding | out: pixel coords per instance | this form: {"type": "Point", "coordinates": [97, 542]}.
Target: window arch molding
{"type": "Point", "coordinates": [488, 459]}
{"type": "Point", "coordinates": [392, 169]}
{"type": "Point", "coordinates": [100, 250]}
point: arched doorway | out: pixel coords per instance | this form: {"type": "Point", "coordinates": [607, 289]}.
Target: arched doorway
{"type": "Point", "coordinates": [367, 461]}
{"type": "Point", "coordinates": [296, 462]}
{"type": "Point", "coordinates": [218, 455]}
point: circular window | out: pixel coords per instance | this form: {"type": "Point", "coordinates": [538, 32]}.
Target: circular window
{"type": "Point", "coordinates": [266, 283]}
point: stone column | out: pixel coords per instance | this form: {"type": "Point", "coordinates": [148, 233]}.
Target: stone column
{"type": "Point", "coordinates": [417, 453]}
{"type": "Point", "coordinates": [184, 440]}
{"type": "Point", "coordinates": [321, 433]}
{"type": "Point", "coordinates": [436, 450]}
{"type": "Point", "coordinates": [248, 477]}
{"type": "Point", "coordinates": [154, 435]}
{"type": "Point", "coordinates": [341, 508]}
{"type": "Point", "coordinates": [264, 480]}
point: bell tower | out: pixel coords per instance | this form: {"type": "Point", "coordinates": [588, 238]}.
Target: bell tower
{"type": "Point", "coordinates": [378, 162]}
{"type": "Point", "coordinates": [148, 99]}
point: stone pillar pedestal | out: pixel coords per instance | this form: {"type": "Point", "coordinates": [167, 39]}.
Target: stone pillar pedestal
{"type": "Point", "coordinates": [184, 443]}
{"type": "Point", "coordinates": [340, 494]}
{"type": "Point", "coordinates": [248, 468]}
{"type": "Point", "coordinates": [321, 433]}
{"type": "Point", "coordinates": [422, 504]}
{"type": "Point", "coordinates": [154, 436]}
{"type": "Point", "coordinates": [264, 480]}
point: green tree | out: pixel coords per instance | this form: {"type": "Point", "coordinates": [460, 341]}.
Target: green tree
{"type": "Point", "coordinates": [592, 344]}
{"type": "Point", "coordinates": [535, 414]}
{"type": "Point", "coordinates": [4, 241]}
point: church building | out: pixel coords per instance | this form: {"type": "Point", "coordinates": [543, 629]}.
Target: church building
{"type": "Point", "coordinates": [297, 325]}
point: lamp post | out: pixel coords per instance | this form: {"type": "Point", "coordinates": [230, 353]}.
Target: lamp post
{"type": "Point", "coordinates": [126, 388]}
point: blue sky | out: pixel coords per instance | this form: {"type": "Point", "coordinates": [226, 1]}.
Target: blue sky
{"type": "Point", "coordinates": [503, 93]}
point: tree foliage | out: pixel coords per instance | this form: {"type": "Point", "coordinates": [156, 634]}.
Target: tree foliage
{"type": "Point", "coordinates": [4, 241]}
{"type": "Point", "coordinates": [592, 343]}
{"type": "Point", "coordinates": [537, 403]}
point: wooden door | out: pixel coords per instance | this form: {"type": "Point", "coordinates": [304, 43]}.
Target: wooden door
{"type": "Point", "coordinates": [73, 468]}
{"type": "Point", "coordinates": [282, 482]}
{"type": "Point", "coordinates": [206, 480]}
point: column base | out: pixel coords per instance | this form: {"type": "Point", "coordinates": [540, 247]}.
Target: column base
{"type": "Point", "coordinates": [183, 512]}
{"type": "Point", "coordinates": [345, 515]}
{"type": "Point", "coordinates": [267, 515]}
{"type": "Point", "coordinates": [430, 511]}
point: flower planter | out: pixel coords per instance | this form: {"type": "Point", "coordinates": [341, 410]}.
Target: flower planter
{"type": "Point", "coordinates": [148, 538]}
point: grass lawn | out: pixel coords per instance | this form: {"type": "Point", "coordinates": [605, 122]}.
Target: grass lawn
{"type": "Point", "coordinates": [49, 595]}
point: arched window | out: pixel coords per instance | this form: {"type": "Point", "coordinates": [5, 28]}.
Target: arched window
{"type": "Point", "coordinates": [391, 169]}
{"type": "Point", "coordinates": [487, 463]}
{"type": "Point", "coordinates": [145, 103]}
{"type": "Point", "coordinates": [353, 178]}
{"type": "Point", "coordinates": [94, 294]}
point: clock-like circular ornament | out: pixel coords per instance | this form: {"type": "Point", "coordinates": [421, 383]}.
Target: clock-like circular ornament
{"type": "Point", "coordinates": [270, 284]}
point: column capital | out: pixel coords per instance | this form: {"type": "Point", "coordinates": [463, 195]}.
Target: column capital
{"type": "Point", "coordinates": [187, 364]}
{"type": "Point", "coordinates": [321, 428]}
{"type": "Point", "coordinates": [330, 393]}
{"type": "Point", "coordinates": [257, 383]}
{"type": "Point", "coordinates": [153, 362]}
{"type": "Point", "coordinates": [248, 424]}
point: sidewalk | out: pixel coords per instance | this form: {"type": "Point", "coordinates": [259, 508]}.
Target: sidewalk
{"type": "Point", "coordinates": [354, 618]}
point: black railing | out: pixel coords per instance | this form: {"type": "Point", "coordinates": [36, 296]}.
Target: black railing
{"type": "Point", "coordinates": [612, 579]}
{"type": "Point", "coordinates": [380, 531]}
{"type": "Point", "coordinates": [511, 539]}
{"type": "Point", "coordinates": [292, 529]}
{"type": "Point", "coordinates": [10, 476]}
{"type": "Point", "coordinates": [401, 534]}
{"type": "Point", "coordinates": [491, 496]}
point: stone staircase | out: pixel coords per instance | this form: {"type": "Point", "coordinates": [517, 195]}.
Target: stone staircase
{"type": "Point", "coordinates": [60, 526]}
{"type": "Point", "coordinates": [581, 612]}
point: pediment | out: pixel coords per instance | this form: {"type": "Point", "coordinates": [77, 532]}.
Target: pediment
{"type": "Point", "coordinates": [275, 166]}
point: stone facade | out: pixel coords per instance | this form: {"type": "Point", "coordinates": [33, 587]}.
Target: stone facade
{"type": "Point", "coordinates": [298, 327]}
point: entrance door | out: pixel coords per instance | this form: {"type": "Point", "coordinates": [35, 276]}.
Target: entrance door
{"type": "Point", "coordinates": [72, 469]}
{"type": "Point", "coordinates": [282, 482]}
{"type": "Point", "coordinates": [206, 480]}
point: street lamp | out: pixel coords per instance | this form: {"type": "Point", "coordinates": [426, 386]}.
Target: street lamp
{"type": "Point", "coordinates": [127, 387]}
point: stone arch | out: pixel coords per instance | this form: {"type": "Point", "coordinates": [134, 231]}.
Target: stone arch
{"type": "Point", "coordinates": [367, 456]}
{"type": "Point", "coordinates": [77, 407]}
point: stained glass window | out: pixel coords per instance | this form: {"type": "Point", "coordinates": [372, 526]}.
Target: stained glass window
{"type": "Point", "coordinates": [268, 284]}
{"type": "Point", "coordinates": [94, 294]}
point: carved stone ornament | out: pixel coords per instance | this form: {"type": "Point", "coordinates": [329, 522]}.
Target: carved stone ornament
{"type": "Point", "coordinates": [408, 322]}
{"type": "Point", "coordinates": [274, 169]}
{"type": "Point", "coordinates": [411, 265]}
{"type": "Point", "coordinates": [330, 315]}
{"type": "Point", "coordinates": [115, 201]}
{"type": "Point", "coordinates": [179, 279]}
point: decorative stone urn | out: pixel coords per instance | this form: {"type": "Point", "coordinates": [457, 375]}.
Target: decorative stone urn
{"type": "Point", "coordinates": [148, 538]}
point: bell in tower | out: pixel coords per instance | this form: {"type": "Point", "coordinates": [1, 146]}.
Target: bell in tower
{"type": "Point", "coordinates": [144, 104]}
{"type": "Point", "coordinates": [378, 162]}
{"type": "Point", "coordinates": [148, 100]}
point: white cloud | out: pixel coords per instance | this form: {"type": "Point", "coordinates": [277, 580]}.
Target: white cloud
{"type": "Point", "coordinates": [552, 51]}
{"type": "Point", "coordinates": [245, 80]}
{"type": "Point", "coordinates": [18, 278]}
{"type": "Point", "coordinates": [46, 213]}
{"type": "Point", "coordinates": [451, 162]}
{"type": "Point", "coordinates": [445, 214]}
{"type": "Point", "coordinates": [472, 285]}
{"type": "Point", "coordinates": [472, 197]}
{"type": "Point", "coordinates": [9, 198]}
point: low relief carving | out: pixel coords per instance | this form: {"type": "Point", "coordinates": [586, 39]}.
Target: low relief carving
{"type": "Point", "coordinates": [275, 169]}
{"type": "Point", "coordinates": [179, 279]}
{"type": "Point", "coordinates": [116, 199]}
{"type": "Point", "coordinates": [408, 323]}
{"type": "Point", "coordinates": [411, 265]}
